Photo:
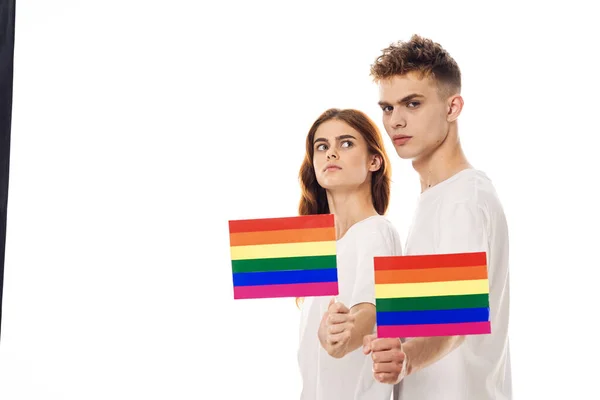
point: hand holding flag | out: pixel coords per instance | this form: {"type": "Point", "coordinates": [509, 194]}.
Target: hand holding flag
{"type": "Point", "coordinates": [389, 359]}
{"type": "Point", "coordinates": [336, 329]}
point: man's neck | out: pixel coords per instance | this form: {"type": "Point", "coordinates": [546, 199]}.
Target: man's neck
{"type": "Point", "coordinates": [350, 207]}
{"type": "Point", "coordinates": [445, 161]}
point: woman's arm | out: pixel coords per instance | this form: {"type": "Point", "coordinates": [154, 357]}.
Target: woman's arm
{"type": "Point", "coordinates": [342, 329]}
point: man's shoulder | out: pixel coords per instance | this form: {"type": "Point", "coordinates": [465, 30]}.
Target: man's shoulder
{"type": "Point", "coordinates": [473, 188]}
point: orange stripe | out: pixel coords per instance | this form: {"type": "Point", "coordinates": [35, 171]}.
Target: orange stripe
{"type": "Point", "coordinates": [431, 275]}
{"type": "Point", "coordinates": [283, 236]}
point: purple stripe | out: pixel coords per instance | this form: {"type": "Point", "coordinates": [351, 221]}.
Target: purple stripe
{"type": "Point", "coordinates": [426, 330]}
{"type": "Point", "coordinates": [289, 290]}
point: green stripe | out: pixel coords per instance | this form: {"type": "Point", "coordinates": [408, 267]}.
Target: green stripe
{"type": "Point", "coordinates": [284, 264]}
{"type": "Point", "coordinates": [433, 303]}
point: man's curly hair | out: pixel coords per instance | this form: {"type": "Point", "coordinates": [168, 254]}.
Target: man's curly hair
{"type": "Point", "coordinates": [420, 55]}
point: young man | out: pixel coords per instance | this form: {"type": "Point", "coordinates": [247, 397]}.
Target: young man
{"type": "Point", "coordinates": [458, 211]}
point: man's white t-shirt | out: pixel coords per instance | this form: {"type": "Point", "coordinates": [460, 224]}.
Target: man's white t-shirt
{"type": "Point", "coordinates": [350, 377]}
{"type": "Point", "coordinates": [464, 214]}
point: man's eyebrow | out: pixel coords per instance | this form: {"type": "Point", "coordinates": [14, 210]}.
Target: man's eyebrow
{"type": "Point", "coordinates": [405, 99]}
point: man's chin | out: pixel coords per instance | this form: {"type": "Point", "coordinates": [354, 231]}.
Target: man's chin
{"type": "Point", "coordinates": [405, 155]}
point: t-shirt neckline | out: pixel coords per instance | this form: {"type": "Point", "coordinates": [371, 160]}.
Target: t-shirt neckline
{"type": "Point", "coordinates": [440, 186]}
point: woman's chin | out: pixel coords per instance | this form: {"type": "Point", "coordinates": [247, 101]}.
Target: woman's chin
{"type": "Point", "coordinates": [333, 185]}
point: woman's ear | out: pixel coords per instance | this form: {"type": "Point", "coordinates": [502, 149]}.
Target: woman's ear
{"type": "Point", "coordinates": [376, 163]}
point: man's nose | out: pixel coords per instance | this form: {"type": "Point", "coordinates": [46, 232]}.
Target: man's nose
{"type": "Point", "coordinates": [398, 120]}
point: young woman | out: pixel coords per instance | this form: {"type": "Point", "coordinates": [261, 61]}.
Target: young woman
{"type": "Point", "coordinates": [345, 172]}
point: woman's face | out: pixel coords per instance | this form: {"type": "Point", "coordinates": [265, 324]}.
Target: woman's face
{"type": "Point", "coordinates": [341, 158]}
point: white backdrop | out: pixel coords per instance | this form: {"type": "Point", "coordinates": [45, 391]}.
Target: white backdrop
{"type": "Point", "coordinates": [141, 127]}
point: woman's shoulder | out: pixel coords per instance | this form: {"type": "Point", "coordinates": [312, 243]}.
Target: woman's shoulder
{"type": "Point", "coordinates": [378, 225]}
{"type": "Point", "coordinates": [377, 234]}
{"type": "Point", "coordinates": [377, 221]}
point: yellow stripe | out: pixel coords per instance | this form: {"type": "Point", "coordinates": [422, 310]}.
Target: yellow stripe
{"type": "Point", "coordinates": [283, 250]}
{"type": "Point", "coordinates": [397, 290]}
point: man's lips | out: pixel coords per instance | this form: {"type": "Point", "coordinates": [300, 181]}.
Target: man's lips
{"type": "Point", "coordinates": [401, 139]}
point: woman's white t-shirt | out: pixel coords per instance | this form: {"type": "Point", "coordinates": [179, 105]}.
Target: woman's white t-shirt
{"type": "Point", "coordinates": [350, 377]}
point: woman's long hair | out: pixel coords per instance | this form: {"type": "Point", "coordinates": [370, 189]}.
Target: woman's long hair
{"type": "Point", "coordinates": [314, 198]}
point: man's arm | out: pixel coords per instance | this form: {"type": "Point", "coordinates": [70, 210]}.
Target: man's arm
{"type": "Point", "coordinates": [393, 360]}
{"type": "Point", "coordinates": [365, 316]}
{"type": "Point", "coordinates": [463, 230]}
{"type": "Point", "coordinates": [422, 352]}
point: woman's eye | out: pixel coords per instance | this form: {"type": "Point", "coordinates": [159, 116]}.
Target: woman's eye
{"type": "Point", "coordinates": [347, 143]}
{"type": "Point", "coordinates": [321, 147]}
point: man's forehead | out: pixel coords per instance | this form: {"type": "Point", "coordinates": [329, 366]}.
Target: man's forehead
{"type": "Point", "coordinates": [404, 85]}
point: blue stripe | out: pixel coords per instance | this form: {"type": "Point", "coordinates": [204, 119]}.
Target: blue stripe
{"type": "Point", "coordinates": [284, 277]}
{"type": "Point", "coordinates": [433, 316]}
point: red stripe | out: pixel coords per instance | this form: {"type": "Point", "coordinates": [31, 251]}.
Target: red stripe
{"type": "Point", "coordinates": [431, 261]}
{"type": "Point", "coordinates": [290, 290]}
{"type": "Point", "coordinates": [412, 331]}
{"type": "Point", "coordinates": [275, 224]}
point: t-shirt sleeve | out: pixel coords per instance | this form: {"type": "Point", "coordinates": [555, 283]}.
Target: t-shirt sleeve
{"type": "Point", "coordinates": [379, 242]}
{"type": "Point", "coordinates": [462, 229]}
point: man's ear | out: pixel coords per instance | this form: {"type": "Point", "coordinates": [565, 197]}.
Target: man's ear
{"type": "Point", "coordinates": [455, 106]}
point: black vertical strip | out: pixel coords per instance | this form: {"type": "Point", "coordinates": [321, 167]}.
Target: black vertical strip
{"type": "Point", "coordinates": [7, 50]}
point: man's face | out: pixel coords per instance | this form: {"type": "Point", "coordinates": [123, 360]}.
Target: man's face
{"type": "Point", "coordinates": [415, 114]}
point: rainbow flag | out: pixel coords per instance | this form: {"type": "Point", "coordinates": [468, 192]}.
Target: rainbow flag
{"type": "Point", "coordinates": [432, 295]}
{"type": "Point", "coordinates": [284, 257]}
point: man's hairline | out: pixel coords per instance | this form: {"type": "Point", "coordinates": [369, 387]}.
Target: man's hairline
{"type": "Point", "coordinates": [447, 90]}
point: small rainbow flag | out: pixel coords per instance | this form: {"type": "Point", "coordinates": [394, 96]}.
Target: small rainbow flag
{"type": "Point", "coordinates": [432, 295]}
{"type": "Point", "coordinates": [284, 257]}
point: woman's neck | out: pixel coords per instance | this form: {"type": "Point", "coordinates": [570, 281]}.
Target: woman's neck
{"type": "Point", "coordinates": [350, 207]}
